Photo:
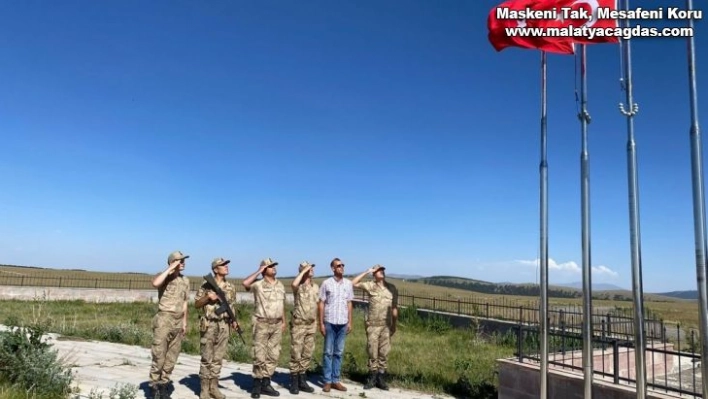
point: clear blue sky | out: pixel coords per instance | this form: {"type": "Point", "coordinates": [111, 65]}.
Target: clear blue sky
{"type": "Point", "coordinates": [379, 132]}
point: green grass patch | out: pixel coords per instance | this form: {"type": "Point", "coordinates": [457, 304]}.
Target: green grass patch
{"type": "Point", "coordinates": [427, 355]}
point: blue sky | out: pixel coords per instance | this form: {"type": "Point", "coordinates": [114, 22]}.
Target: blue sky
{"type": "Point", "coordinates": [379, 132]}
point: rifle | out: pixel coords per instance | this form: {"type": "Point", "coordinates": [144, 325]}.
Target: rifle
{"type": "Point", "coordinates": [225, 307]}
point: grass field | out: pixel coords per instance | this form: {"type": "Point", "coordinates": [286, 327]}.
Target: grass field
{"type": "Point", "coordinates": [672, 311]}
{"type": "Point", "coordinates": [427, 355]}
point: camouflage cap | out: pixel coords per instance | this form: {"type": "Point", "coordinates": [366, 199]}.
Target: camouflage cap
{"type": "Point", "coordinates": [378, 267]}
{"type": "Point", "coordinates": [176, 255]}
{"type": "Point", "coordinates": [219, 262]}
{"type": "Point", "coordinates": [304, 264]}
{"type": "Point", "coordinates": [268, 262]}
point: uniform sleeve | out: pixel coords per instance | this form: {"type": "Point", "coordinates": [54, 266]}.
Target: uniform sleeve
{"type": "Point", "coordinates": [394, 292]}
{"type": "Point", "coordinates": [367, 286]}
{"type": "Point", "coordinates": [186, 288]}
{"type": "Point", "coordinates": [201, 291]}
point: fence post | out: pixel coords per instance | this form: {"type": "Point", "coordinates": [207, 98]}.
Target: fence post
{"type": "Point", "coordinates": [615, 361]}
{"type": "Point", "coordinates": [458, 306]}
{"type": "Point", "coordinates": [521, 314]}
{"type": "Point", "coordinates": [609, 324]}
{"type": "Point", "coordinates": [519, 344]}
{"type": "Point", "coordinates": [130, 285]}
{"type": "Point", "coordinates": [487, 309]}
{"type": "Point", "coordinates": [60, 278]}
{"type": "Point", "coordinates": [95, 284]}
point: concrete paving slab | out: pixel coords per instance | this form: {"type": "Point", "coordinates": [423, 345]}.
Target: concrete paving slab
{"type": "Point", "coordinates": [104, 365]}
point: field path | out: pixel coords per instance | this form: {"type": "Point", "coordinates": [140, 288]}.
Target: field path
{"type": "Point", "coordinates": [104, 365]}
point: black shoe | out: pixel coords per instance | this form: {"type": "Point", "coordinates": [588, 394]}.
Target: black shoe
{"type": "Point", "coordinates": [381, 381]}
{"type": "Point", "coordinates": [303, 383]}
{"type": "Point", "coordinates": [156, 392]}
{"type": "Point", "coordinates": [256, 391]}
{"type": "Point", "coordinates": [370, 380]}
{"type": "Point", "coordinates": [266, 389]}
{"type": "Point", "coordinates": [294, 384]}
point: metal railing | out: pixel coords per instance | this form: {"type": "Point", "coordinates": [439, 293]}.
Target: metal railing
{"type": "Point", "coordinates": [669, 369]}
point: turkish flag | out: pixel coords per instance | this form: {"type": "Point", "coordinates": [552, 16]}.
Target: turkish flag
{"type": "Point", "coordinates": [500, 37]}
{"type": "Point", "coordinates": [595, 27]}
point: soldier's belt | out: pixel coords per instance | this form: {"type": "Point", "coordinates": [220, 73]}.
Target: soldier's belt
{"type": "Point", "coordinates": [299, 321]}
{"type": "Point", "coordinates": [376, 323]}
{"type": "Point", "coordinates": [216, 320]}
{"type": "Point", "coordinates": [268, 321]}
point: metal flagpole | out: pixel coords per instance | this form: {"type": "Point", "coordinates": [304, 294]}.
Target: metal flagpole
{"type": "Point", "coordinates": [635, 240]}
{"type": "Point", "coordinates": [585, 214]}
{"type": "Point", "coordinates": [699, 221]}
{"type": "Point", "coordinates": [544, 236]}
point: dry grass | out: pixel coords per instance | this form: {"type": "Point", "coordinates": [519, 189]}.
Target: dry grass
{"type": "Point", "coordinates": [683, 312]}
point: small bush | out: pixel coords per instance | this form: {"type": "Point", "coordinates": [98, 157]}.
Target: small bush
{"type": "Point", "coordinates": [28, 363]}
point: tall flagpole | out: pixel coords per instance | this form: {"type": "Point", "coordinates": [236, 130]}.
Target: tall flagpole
{"type": "Point", "coordinates": [544, 236]}
{"type": "Point", "coordinates": [699, 220]}
{"type": "Point", "coordinates": [585, 215]}
{"type": "Point", "coordinates": [635, 240]}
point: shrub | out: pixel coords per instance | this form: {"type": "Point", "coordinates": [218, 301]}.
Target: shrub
{"type": "Point", "coordinates": [28, 363]}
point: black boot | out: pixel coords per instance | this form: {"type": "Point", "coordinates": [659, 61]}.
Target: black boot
{"type": "Point", "coordinates": [267, 389]}
{"type": "Point", "coordinates": [156, 392]}
{"type": "Point", "coordinates": [164, 391]}
{"type": "Point", "coordinates": [371, 380]}
{"type": "Point", "coordinates": [303, 383]}
{"type": "Point", "coordinates": [294, 383]}
{"type": "Point", "coordinates": [256, 391]}
{"type": "Point", "coordinates": [381, 381]}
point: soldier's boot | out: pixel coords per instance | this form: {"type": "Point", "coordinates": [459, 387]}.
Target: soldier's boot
{"type": "Point", "coordinates": [381, 381]}
{"type": "Point", "coordinates": [370, 380]}
{"type": "Point", "coordinates": [302, 382]}
{"type": "Point", "coordinates": [204, 393]}
{"type": "Point", "coordinates": [156, 393]}
{"type": "Point", "coordinates": [214, 389]}
{"type": "Point", "coordinates": [256, 391]}
{"type": "Point", "coordinates": [294, 383]}
{"type": "Point", "coordinates": [164, 391]}
{"type": "Point", "coordinates": [267, 389]}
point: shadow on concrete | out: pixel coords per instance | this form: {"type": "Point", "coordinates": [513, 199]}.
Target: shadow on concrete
{"type": "Point", "coordinates": [192, 382]}
{"type": "Point", "coordinates": [279, 381]}
{"type": "Point", "coordinates": [145, 387]}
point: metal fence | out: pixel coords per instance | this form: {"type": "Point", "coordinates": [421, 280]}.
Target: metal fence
{"type": "Point", "coordinates": [610, 321]}
{"type": "Point", "coordinates": [668, 368]}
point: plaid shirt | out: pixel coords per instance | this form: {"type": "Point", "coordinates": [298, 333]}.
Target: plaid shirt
{"type": "Point", "coordinates": [336, 297]}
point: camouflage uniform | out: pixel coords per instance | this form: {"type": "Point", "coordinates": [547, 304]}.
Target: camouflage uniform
{"type": "Point", "coordinates": [267, 326]}
{"type": "Point", "coordinates": [382, 299]}
{"type": "Point", "coordinates": [303, 328]}
{"type": "Point", "coordinates": [167, 328]}
{"type": "Point", "coordinates": [214, 332]}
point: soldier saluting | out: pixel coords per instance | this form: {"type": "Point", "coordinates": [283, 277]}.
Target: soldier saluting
{"type": "Point", "coordinates": [214, 329]}
{"type": "Point", "coordinates": [268, 325]}
{"type": "Point", "coordinates": [381, 317]}
{"type": "Point", "coordinates": [169, 324]}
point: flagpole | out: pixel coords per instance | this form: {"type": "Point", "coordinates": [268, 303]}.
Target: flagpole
{"type": "Point", "coordinates": [699, 221]}
{"type": "Point", "coordinates": [585, 216]}
{"type": "Point", "coordinates": [635, 236]}
{"type": "Point", "coordinates": [544, 235]}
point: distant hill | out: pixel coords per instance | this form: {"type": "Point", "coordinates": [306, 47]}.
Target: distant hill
{"type": "Point", "coordinates": [498, 289]}
{"type": "Point", "coordinates": [405, 276]}
{"type": "Point", "coordinates": [681, 294]}
{"type": "Point", "coordinates": [595, 287]}
{"type": "Point", "coordinates": [600, 291]}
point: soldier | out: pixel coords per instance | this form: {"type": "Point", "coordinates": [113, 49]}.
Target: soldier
{"type": "Point", "coordinates": [169, 324]}
{"type": "Point", "coordinates": [303, 327]}
{"type": "Point", "coordinates": [214, 329]}
{"type": "Point", "coordinates": [381, 317]}
{"type": "Point", "coordinates": [268, 325]}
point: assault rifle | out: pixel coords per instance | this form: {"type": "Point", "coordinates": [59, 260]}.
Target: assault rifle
{"type": "Point", "coordinates": [225, 306]}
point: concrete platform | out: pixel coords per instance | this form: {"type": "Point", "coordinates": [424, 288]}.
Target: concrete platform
{"type": "Point", "coordinates": [104, 365]}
